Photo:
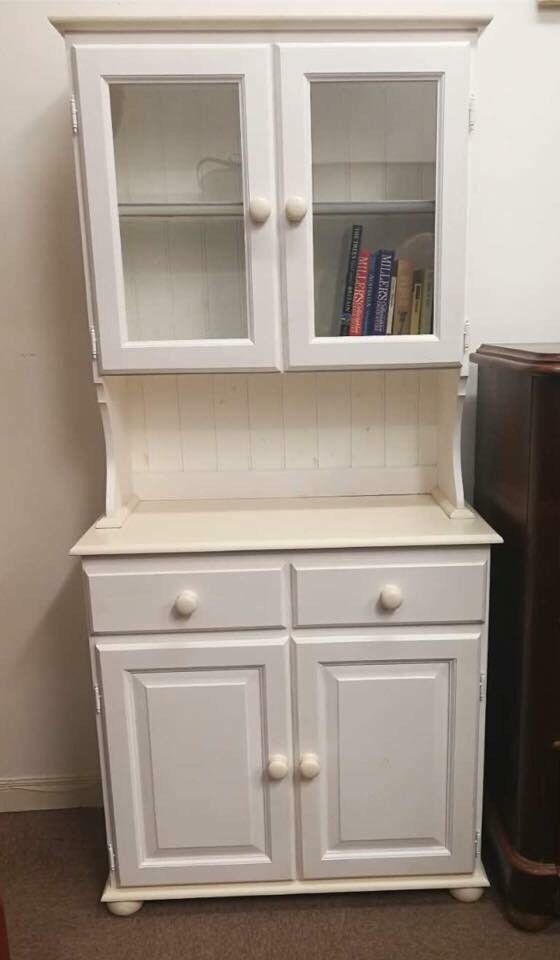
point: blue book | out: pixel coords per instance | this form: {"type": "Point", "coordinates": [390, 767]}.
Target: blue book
{"type": "Point", "coordinates": [353, 253]}
{"type": "Point", "coordinates": [371, 293]}
{"type": "Point", "coordinates": [382, 292]}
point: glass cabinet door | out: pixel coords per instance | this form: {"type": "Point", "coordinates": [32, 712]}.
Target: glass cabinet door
{"type": "Point", "coordinates": [374, 160]}
{"type": "Point", "coordinates": [178, 156]}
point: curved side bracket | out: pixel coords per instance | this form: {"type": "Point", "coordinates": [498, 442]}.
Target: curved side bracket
{"type": "Point", "coordinates": [119, 499]}
{"type": "Point", "coordinates": [449, 491]}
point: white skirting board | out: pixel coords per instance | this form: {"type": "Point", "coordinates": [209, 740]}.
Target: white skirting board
{"type": "Point", "coordinates": [49, 793]}
{"type": "Point", "coordinates": [113, 894]}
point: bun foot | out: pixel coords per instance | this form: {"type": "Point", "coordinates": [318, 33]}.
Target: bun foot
{"type": "Point", "coordinates": [467, 894]}
{"type": "Point", "coordinates": [124, 908]}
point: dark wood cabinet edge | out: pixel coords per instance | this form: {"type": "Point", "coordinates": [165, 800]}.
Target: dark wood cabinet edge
{"type": "Point", "coordinates": [533, 868]}
{"type": "Point", "coordinates": [528, 922]}
{"type": "Point", "coordinates": [531, 889]}
{"type": "Point", "coordinates": [531, 361]}
{"type": "Point", "coordinates": [4, 946]}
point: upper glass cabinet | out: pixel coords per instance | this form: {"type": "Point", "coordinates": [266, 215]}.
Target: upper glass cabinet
{"type": "Point", "coordinates": [211, 178]}
{"type": "Point", "coordinates": [374, 151]}
{"type": "Point", "coordinates": [178, 150]}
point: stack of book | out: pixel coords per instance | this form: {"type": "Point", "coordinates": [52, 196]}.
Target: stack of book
{"type": "Point", "coordinates": [384, 294]}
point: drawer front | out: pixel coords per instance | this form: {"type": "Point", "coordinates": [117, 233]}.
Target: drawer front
{"type": "Point", "coordinates": [412, 589]}
{"type": "Point", "coordinates": [152, 596]}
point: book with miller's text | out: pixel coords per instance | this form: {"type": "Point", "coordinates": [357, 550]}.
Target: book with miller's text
{"type": "Point", "coordinates": [359, 298]}
{"type": "Point", "coordinates": [386, 258]}
{"type": "Point", "coordinates": [371, 293]}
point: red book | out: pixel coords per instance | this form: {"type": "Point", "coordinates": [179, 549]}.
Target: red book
{"type": "Point", "coordinates": [359, 298]}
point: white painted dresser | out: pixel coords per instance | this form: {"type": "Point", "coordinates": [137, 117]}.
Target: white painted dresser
{"type": "Point", "coordinates": [287, 593]}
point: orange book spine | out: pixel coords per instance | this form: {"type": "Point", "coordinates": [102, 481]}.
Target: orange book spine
{"type": "Point", "coordinates": [359, 298]}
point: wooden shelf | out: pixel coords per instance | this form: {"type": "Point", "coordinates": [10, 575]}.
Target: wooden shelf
{"type": "Point", "coordinates": [375, 208]}
{"type": "Point", "coordinates": [180, 210]}
{"type": "Point", "coordinates": [208, 526]}
{"type": "Point", "coordinates": [337, 208]}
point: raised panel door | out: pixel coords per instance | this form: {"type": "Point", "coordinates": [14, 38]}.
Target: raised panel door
{"type": "Point", "coordinates": [391, 725]}
{"type": "Point", "coordinates": [190, 729]}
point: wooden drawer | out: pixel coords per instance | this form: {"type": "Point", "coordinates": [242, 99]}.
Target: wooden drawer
{"type": "Point", "coordinates": [447, 586]}
{"type": "Point", "coordinates": [141, 594]}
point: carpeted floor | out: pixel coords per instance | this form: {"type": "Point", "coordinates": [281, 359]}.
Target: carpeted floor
{"type": "Point", "coordinates": [53, 867]}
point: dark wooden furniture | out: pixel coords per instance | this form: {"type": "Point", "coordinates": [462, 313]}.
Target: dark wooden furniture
{"type": "Point", "coordinates": [517, 490]}
{"type": "Point", "coordinates": [4, 947]}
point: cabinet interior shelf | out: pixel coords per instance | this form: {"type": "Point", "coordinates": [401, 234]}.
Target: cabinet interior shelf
{"type": "Point", "coordinates": [344, 208]}
{"type": "Point", "coordinates": [358, 207]}
{"type": "Point", "coordinates": [180, 209]}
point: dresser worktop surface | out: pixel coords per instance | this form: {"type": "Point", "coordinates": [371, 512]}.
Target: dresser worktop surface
{"type": "Point", "coordinates": [200, 526]}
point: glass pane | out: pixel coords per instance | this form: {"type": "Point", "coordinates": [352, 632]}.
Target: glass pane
{"type": "Point", "coordinates": [180, 196]}
{"type": "Point", "coordinates": [374, 175]}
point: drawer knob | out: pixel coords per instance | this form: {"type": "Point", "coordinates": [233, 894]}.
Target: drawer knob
{"type": "Point", "coordinates": [186, 603]}
{"type": "Point", "coordinates": [309, 766]}
{"type": "Point", "coordinates": [259, 208]}
{"type": "Point", "coordinates": [391, 597]}
{"type": "Point", "coordinates": [296, 208]}
{"type": "Point", "coordinates": [277, 767]}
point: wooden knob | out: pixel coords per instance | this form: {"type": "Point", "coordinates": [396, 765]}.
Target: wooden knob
{"type": "Point", "coordinates": [277, 767]}
{"type": "Point", "coordinates": [391, 597]}
{"type": "Point", "coordinates": [309, 766]}
{"type": "Point", "coordinates": [259, 208]}
{"type": "Point", "coordinates": [296, 208]}
{"type": "Point", "coordinates": [186, 603]}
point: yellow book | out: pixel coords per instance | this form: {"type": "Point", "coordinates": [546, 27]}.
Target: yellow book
{"type": "Point", "coordinates": [416, 308]}
{"type": "Point", "coordinates": [403, 297]}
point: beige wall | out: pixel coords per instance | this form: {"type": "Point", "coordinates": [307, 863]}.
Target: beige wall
{"type": "Point", "coordinates": [51, 480]}
{"type": "Point", "coordinates": [52, 464]}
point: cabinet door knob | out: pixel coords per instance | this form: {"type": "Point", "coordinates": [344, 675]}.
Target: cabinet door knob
{"type": "Point", "coordinates": [296, 208]}
{"type": "Point", "coordinates": [277, 767]}
{"type": "Point", "coordinates": [309, 766]}
{"type": "Point", "coordinates": [186, 603]}
{"type": "Point", "coordinates": [391, 597]}
{"type": "Point", "coordinates": [259, 208]}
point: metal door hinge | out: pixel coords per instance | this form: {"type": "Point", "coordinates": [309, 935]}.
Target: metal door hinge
{"type": "Point", "coordinates": [93, 343]}
{"type": "Point", "coordinates": [482, 687]}
{"type": "Point", "coordinates": [472, 105]}
{"type": "Point", "coordinates": [74, 114]}
{"type": "Point", "coordinates": [476, 844]}
{"type": "Point", "coordinates": [466, 337]}
{"type": "Point", "coordinates": [97, 695]}
{"type": "Point", "coordinates": [111, 857]}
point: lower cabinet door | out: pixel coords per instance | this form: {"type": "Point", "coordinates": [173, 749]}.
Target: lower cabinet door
{"type": "Point", "coordinates": [190, 728]}
{"type": "Point", "coordinates": [387, 753]}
